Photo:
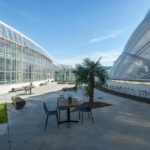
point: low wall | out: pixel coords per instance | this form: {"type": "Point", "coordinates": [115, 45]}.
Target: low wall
{"type": "Point", "coordinates": [139, 90]}
{"type": "Point", "coordinates": [6, 88]}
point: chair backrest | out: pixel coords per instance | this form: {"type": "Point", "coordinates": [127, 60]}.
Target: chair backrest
{"type": "Point", "coordinates": [45, 108]}
{"type": "Point", "coordinates": [60, 98]}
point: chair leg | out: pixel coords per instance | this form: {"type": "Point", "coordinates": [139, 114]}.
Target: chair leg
{"type": "Point", "coordinates": [46, 121]}
{"type": "Point", "coordinates": [59, 115]}
{"type": "Point", "coordinates": [57, 120]}
{"type": "Point", "coordinates": [92, 117]}
{"type": "Point", "coordinates": [89, 114]}
{"type": "Point", "coordinates": [79, 114]}
{"type": "Point", "coordinates": [82, 118]}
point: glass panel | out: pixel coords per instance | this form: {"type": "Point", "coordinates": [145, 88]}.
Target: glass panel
{"type": "Point", "coordinates": [3, 31]}
{"type": "Point", "coordinates": [13, 64]}
{"type": "Point", "coordinates": [1, 76]}
{"type": "Point", "coordinates": [10, 34]}
{"type": "Point", "coordinates": [8, 64]}
{"type": "Point", "coordinates": [146, 53]}
{"type": "Point", "coordinates": [15, 37]}
{"type": "Point", "coordinates": [18, 77]}
{"type": "Point", "coordinates": [8, 77]}
{"type": "Point", "coordinates": [119, 66]}
{"type": "Point", "coordinates": [20, 39]}
{"type": "Point", "coordinates": [1, 64]}
{"type": "Point", "coordinates": [13, 77]}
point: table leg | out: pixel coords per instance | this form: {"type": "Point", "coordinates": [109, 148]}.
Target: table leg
{"type": "Point", "coordinates": [68, 118]}
{"type": "Point", "coordinates": [68, 112]}
{"type": "Point", "coordinates": [30, 90]}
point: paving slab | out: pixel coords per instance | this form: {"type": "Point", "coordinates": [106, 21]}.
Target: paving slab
{"type": "Point", "coordinates": [4, 137]}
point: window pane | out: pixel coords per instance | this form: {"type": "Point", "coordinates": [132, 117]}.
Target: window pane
{"type": "Point", "coordinates": [1, 64]}
{"type": "Point", "coordinates": [8, 77]}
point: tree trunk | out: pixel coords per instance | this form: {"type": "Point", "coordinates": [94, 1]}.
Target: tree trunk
{"type": "Point", "coordinates": [91, 96]}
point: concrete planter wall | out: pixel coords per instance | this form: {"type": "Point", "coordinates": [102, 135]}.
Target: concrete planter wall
{"type": "Point", "coordinates": [139, 90]}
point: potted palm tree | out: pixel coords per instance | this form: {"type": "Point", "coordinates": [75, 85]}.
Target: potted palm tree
{"type": "Point", "coordinates": [89, 74]}
{"type": "Point", "coordinates": [69, 99]}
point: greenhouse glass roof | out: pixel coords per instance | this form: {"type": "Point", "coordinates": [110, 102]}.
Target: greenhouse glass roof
{"type": "Point", "coordinates": [134, 62]}
{"type": "Point", "coordinates": [11, 34]}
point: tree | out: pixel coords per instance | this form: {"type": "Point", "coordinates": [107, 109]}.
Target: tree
{"type": "Point", "coordinates": [88, 74]}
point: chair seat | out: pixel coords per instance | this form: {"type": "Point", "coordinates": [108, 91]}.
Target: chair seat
{"type": "Point", "coordinates": [62, 108]}
{"type": "Point", "coordinates": [85, 109]}
{"type": "Point", "coordinates": [52, 112]}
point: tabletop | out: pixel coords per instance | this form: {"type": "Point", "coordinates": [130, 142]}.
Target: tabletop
{"type": "Point", "coordinates": [65, 104]}
{"type": "Point", "coordinates": [29, 86]}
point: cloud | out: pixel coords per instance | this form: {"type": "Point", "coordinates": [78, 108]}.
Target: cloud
{"type": "Point", "coordinates": [108, 57]}
{"type": "Point", "coordinates": [112, 35]}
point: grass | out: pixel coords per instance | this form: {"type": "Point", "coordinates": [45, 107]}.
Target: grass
{"type": "Point", "coordinates": [3, 113]}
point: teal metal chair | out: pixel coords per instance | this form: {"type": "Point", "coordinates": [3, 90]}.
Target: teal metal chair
{"type": "Point", "coordinates": [87, 110]}
{"type": "Point", "coordinates": [61, 97]}
{"type": "Point", "coordinates": [50, 113]}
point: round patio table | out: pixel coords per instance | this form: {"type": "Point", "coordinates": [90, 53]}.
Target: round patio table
{"type": "Point", "coordinates": [63, 104]}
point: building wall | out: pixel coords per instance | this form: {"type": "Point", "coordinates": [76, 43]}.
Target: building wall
{"type": "Point", "coordinates": [22, 60]}
{"type": "Point", "coordinates": [22, 64]}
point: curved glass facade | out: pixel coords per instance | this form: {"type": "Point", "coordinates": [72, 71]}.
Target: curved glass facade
{"type": "Point", "coordinates": [23, 60]}
{"type": "Point", "coordinates": [134, 62]}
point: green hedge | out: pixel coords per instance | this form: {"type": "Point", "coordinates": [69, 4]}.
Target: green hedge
{"type": "Point", "coordinates": [3, 113]}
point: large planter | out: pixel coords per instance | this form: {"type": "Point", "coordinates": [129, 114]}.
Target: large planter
{"type": "Point", "coordinates": [18, 102]}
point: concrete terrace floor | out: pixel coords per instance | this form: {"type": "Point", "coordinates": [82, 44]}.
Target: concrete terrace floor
{"type": "Point", "coordinates": [123, 126]}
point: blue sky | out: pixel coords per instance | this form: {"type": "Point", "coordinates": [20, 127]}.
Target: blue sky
{"type": "Point", "coordinates": [71, 30]}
